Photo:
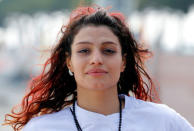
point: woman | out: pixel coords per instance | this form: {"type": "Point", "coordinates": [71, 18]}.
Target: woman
{"type": "Point", "coordinates": [95, 80]}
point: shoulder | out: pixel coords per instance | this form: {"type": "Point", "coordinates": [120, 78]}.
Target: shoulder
{"type": "Point", "coordinates": [146, 106]}
{"type": "Point", "coordinates": [148, 109]}
{"type": "Point", "coordinates": [61, 119]}
{"type": "Point", "coordinates": [158, 113]}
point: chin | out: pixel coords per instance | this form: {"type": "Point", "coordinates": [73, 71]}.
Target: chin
{"type": "Point", "coordinates": [98, 86]}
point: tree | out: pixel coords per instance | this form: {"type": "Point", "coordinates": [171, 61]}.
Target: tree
{"type": "Point", "coordinates": [182, 5]}
{"type": "Point", "coordinates": [8, 7]}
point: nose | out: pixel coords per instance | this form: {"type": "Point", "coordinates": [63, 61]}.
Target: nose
{"type": "Point", "coordinates": [96, 58]}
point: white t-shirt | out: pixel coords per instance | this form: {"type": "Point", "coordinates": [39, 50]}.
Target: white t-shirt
{"type": "Point", "coordinates": [137, 115]}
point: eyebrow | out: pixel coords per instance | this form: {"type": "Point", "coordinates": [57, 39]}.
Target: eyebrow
{"type": "Point", "coordinates": [104, 43]}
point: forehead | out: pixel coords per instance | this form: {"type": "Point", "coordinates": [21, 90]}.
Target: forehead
{"type": "Point", "coordinates": [95, 34]}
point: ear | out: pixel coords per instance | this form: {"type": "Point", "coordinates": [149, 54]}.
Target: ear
{"type": "Point", "coordinates": [68, 62]}
{"type": "Point", "coordinates": [123, 65]}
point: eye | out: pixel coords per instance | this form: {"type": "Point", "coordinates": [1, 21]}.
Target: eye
{"type": "Point", "coordinates": [109, 51]}
{"type": "Point", "coordinates": [84, 51]}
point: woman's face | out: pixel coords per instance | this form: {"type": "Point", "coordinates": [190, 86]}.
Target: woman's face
{"type": "Point", "coordinates": [96, 59]}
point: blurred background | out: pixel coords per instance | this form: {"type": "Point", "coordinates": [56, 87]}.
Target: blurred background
{"type": "Point", "coordinates": [29, 29]}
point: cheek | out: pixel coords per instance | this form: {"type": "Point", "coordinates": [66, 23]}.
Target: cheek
{"type": "Point", "coordinates": [116, 64]}
{"type": "Point", "coordinates": [115, 67]}
{"type": "Point", "coordinates": [78, 65]}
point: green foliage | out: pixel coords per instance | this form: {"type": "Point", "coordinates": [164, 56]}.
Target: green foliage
{"type": "Point", "coordinates": [182, 5]}
{"type": "Point", "coordinates": [32, 6]}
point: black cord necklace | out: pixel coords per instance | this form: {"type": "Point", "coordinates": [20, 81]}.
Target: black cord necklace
{"type": "Point", "coordinates": [77, 123]}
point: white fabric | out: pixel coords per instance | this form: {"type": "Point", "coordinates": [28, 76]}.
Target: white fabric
{"type": "Point", "coordinates": [138, 115]}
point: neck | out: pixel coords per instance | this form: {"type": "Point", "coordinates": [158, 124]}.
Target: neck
{"type": "Point", "coordinates": [101, 101]}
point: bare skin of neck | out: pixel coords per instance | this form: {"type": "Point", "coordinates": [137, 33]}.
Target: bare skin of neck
{"type": "Point", "coordinates": [104, 102]}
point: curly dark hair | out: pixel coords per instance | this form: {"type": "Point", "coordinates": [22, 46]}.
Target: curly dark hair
{"type": "Point", "coordinates": [55, 89]}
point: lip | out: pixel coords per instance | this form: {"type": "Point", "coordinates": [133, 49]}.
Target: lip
{"type": "Point", "coordinates": [96, 72]}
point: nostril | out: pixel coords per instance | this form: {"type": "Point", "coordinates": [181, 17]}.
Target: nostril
{"type": "Point", "coordinates": [96, 57]}
{"type": "Point", "coordinates": [96, 61]}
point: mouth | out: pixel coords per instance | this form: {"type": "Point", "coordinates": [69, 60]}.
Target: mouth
{"type": "Point", "coordinates": [97, 72]}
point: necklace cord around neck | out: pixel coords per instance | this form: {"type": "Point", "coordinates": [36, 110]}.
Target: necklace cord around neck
{"type": "Point", "coordinates": [78, 125]}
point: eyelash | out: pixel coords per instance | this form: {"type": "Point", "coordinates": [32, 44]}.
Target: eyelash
{"type": "Point", "coordinates": [110, 51]}
{"type": "Point", "coordinates": [106, 51]}
{"type": "Point", "coordinates": [83, 51]}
